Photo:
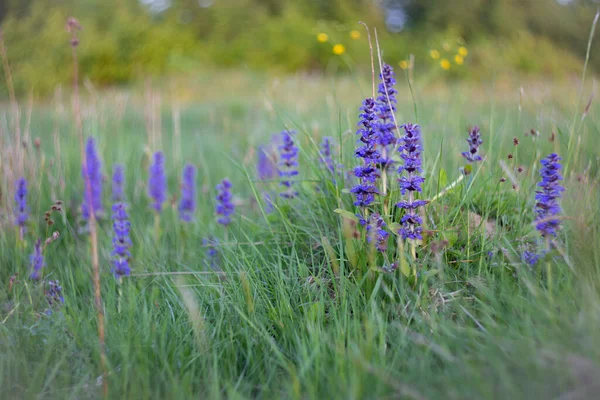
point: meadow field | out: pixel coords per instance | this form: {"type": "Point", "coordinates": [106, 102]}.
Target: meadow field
{"type": "Point", "coordinates": [291, 296]}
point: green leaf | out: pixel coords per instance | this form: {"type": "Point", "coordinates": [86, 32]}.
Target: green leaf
{"type": "Point", "coordinates": [395, 228]}
{"type": "Point", "coordinates": [443, 178]}
{"type": "Point", "coordinates": [346, 214]}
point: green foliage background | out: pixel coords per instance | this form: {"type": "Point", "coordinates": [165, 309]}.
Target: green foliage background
{"type": "Point", "coordinates": [123, 40]}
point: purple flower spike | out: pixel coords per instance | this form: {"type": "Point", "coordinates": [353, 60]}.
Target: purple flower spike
{"type": "Point", "coordinates": [531, 258]}
{"type": "Point", "coordinates": [36, 260]}
{"type": "Point", "coordinates": [385, 108]}
{"type": "Point", "coordinates": [121, 241]}
{"type": "Point", "coordinates": [54, 294]}
{"type": "Point", "coordinates": [325, 153]}
{"type": "Point", "coordinates": [211, 253]}
{"type": "Point", "coordinates": [547, 205]}
{"type": "Point", "coordinates": [411, 182]}
{"type": "Point", "coordinates": [157, 182]}
{"type": "Point", "coordinates": [21, 209]}
{"type": "Point", "coordinates": [118, 180]}
{"type": "Point", "coordinates": [92, 175]}
{"type": "Point", "coordinates": [266, 167]}
{"type": "Point", "coordinates": [474, 141]}
{"type": "Point", "coordinates": [366, 190]}
{"type": "Point", "coordinates": [288, 163]}
{"type": "Point", "coordinates": [225, 207]}
{"type": "Point", "coordinates": [376, 232]}
{"type": "Point", "coordinates": [187, 205]}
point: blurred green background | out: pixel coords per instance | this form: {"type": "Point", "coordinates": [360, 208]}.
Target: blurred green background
{"type": "Point", "coordinates": [124, 41]}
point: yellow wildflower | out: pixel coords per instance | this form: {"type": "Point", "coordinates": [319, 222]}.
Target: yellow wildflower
{"type": "Point", "coordinates": [462, 50]}
{"type": "Point", "coordinates": [434, 54]}
{"type": "Point", "coordinates": [355, 35]}
{"type": "Point", "coordinates": [445, 64]}
{"type": "Point", "coordinates": [403, 64]}
{"type": "Point", "coordinates": [458, 59]}
{"type": "Point", "coordinates": [322, 37]}
{"type": "Point", "coordinates": [339, 49]}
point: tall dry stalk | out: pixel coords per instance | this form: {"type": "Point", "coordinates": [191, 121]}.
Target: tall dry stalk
{"type": "Point", "coordinates": [73, 26]}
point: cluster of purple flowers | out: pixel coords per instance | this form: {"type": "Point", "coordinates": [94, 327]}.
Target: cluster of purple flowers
{"type": "Point", "coordinates": [266, 167]}
{"type": "Point", "coordinates": [54, 294]}
{"type": "Point", "coordinates": [367, 173]}
{"type": "Point", "coordinates": [225, 207]}
{"type": "Point", "coordinates": [121, 241]}
{"type": "Point", "coordinates": [326, 154]}
{"type": "Point", "coordinates": [187, 204]}
{"type": "Point", "coordinates": [157, 181]}
{"type": "Point", "coordinates": [474, 141]}
{"type": "Point", "coordinates": [547, 207]}
{"type": "Point", "coordinates": [376, 232]}
{"type": "Point", "coordinates": [288, 163]}
{"type": "Point", "coordinates": [92, 178]}
{"type": "Point", "coordinates": [411, 182]}
{"type": "Point", "coordinates": [36, 260]}
{"type": "Point", "coordinates": [21, 210]}
{"type": "Point", "coordinates": [385, 108]}
{"type": "Point", "coordinates": [118, 180]}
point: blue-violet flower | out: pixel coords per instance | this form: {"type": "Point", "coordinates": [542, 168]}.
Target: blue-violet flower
{"type": "Point", "coordinates": [366, 190]}
{"type": "Point", "coordinates": [92, 178]}
{"type": "Point", "coordinates": [474, 141]}
{"type": "Point", "coordinates": [21, 210]}
{"type": "Point", "coordinates": [288, 163]}
{"type": "Point", "coordinates": [36, 260]}
{"type": "Point", "coordinates": [118, 180]}
{"type": "Point", "coordinates": [157, 181]}
{"type": "Point", "coordinates": [187, 204]}
{"type": "Point", "coordinates": [411, 182]}
{"type": "Point", "coordinates": [224, 207]}
{"type": "Point", "coordinates": [547, 205]}
{"type": "Point", "coordinates": [121, 241]}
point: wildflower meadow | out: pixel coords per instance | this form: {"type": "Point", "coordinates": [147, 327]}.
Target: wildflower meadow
{"type": "Point", "coordinates": [322, 238]}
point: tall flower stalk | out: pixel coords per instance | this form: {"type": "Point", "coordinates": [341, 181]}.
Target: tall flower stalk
{"type": "Point", "coordinates": [118, 182]}
{"type": "Point", "coordinates": [225, 207]}
{"type": "Point", "coordinates": [157, 181]}
{"type": "Point", "coordinates": [288, 163]}
{"type": "Point", "coordinates": [367, 173]}
{"type": "Point", "coordinates": [411, 182]}
{"type": "Point", "coordinates": [325, 154]}
{"type": "Point", "coordinates": [547, 209]}
{"type": "Point", "coordinates": [92, 174]}
{"type": "Point", "coordinates": [21, 210]}
{"type": "Point", "coordinates": [474, 141]}
{"type": "Point", "coordinates": [187, 204]}
{"type": "Point", "coordinates": [121, 241]}
{"type": "Point", "coordinates": [385, 106]}
{"type": "Point", "coordinates": [36, 260]}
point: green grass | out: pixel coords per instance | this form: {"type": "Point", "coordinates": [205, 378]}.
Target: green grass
{"type": "Point", "coordinates": [279, 322]}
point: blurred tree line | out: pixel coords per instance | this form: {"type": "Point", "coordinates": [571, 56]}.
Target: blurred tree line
{"type": "Point", "coordinates": [123, 40]}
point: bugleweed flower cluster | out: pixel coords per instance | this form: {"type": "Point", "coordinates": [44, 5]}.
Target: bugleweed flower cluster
{"type": "Point", "coordinates": [367, 173]}
{"type": "Point", "coordinates": [157, 182]}
{"type": "Point", "coordinates": [474, 141]}
{"type": "Point", "coordinates": [92, 178]}
{"type": "Point", "coordinates": [21, 209]}
{"type": "Point", "coordinates": [411, 181]}
{"type": "Point", "coordinates": [288, 164]}
{"type": "Point", "coordinates": [547, 206]}
{"type": "Point", "coordinates": [385, 109]}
